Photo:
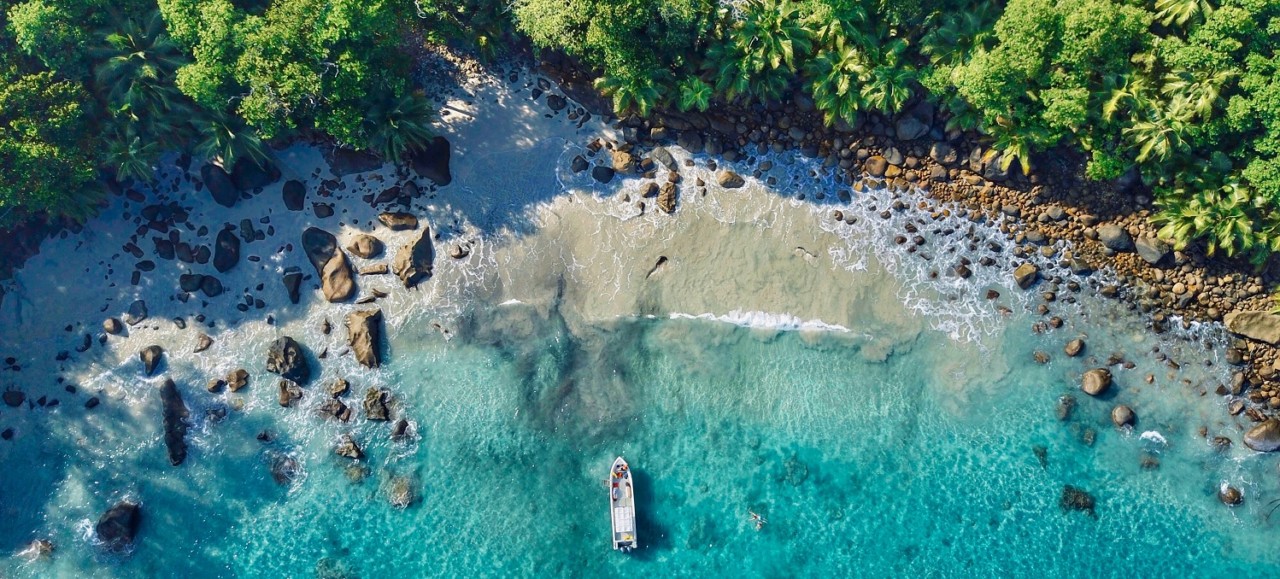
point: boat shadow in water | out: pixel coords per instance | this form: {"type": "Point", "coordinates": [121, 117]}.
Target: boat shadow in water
{"type": "Point", "coordinates": [652, 535]}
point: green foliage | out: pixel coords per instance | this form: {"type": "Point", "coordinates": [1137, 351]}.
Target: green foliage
{"type": "Point", "coordinates": [395, 127]}
{"type": "Point", "coordinates": [227, 141]}
{"type": "Point", "coordinates": [49, 32]}
{"type": "Point", "coordinates": [695, 94]}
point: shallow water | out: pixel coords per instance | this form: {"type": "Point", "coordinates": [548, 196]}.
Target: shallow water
{"type": "Point", "coordinates": [884, 421]}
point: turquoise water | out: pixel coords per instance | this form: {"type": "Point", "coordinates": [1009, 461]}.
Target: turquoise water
{"type": "Point", "coordinates": [886, 420]}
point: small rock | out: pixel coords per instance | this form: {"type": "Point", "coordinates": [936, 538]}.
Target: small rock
{"type": "Point", "coordinates": [150, 357]}
{"type": "Point", "coordinates": [1026, 274]}
{"type": "Point", "coordinates": [1074, 347]}
{"type": "Point", "coordinates": [237, 379]}
{"type": "Point", "coordinates": [117, 527]}
{"type": "Point", "coordinates": [1229, 495]}
{"type": "Point", "coordinates": [289, 392]}
{"type": "Point", "coordinates": [112, 326]}
{"type": "Point", "coordinates": [348, 448]}
{"type": "Point", "coordinates": [1095, 382]}
{"type": "Point", "coordinates": [730, 180]}
{"type": "Point", "coordinates": [203, 342]}
{"type": "Point", "coordinates": [375, 404]}
{"type": "Point", "coordinates": [1122, 416]}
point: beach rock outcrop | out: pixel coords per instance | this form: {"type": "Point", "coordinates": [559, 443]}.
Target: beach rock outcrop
{"type": "Point", "coordinates": [248, 175]}
{"type": "Point", "coordinates": [344, 162]}
{"type": "Point", "coordinates": [226, 251]}
{"type": "Point", "coordinates": [1255, 325]}
{"type": "Point", "coordinates": [117, 527]}
{"type": "Point", "coordinates": [337, 281]}
{"type": "Point", "coordinates": [285, 359]}
{"type": "Point", "coordinates": [1264, 437]}
{"type": "Point", "coordinates": [398, 220]}
{"type": "Point", "coordinates": [294, 193]}
{"type": "Point", "coordinates": [1026, 274]}
{"type": "Point", "coordinates": [375, 404]}
{"type": "Point", "coordinates": [366, 246]}
{"type": "Point", "coordinates": [1096, 382]}
{"type": "Point", "coordinates": [220, 186]}
{"type": "Point", "coordinates": [413, 263]}
{"type": "Point", "coordinates": [150, 357]}
{"type": "Point", "coordinates": [175, 422]}
{"type": "Point", "coordinates": [364, 335]}
{"type": "Point", "coordinates": [432, 162]}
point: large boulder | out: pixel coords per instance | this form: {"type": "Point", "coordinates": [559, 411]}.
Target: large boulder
{"type": "Point", "coordinates": [1095, 382]}
{"type": "Point", "coordinates": [1264, 437]}
{"type": "Point", "coordinates": [432, 161]}
{"type": "Point", "coordinates": [1122, 416]}
{"type": "Point", "coordinates": [219, 184]}
{"type": "Point", "coordinates": [730, 180]}
{"type": "Point", "coordinates": [1152, 250]}
{"type": "Point", "coordinates": [364, 335]}
{"type": "Point", "coordinates": [226, 251]}
{"type": "Point", "coordinates": [175, 422]}
{"type": "Point", "coordinates": [398, 221]}
{"type": "Point", "coordinates": [344, 162]}
{"type": "Point", "coordinates": [117, 527]}
{"type": "Point", "coordinates": [1255, 325]}
{"type": "Point", "coordinates": [1026, 275]}
{"type": "Point", "coordinates": [915, 123]}
{"type": "Point", "coordinates": [1115, 237]}
{"type": "Point", "coordinates": [337, 281]}
{"type": "Point", "coordinates": [294, 193]}
{"type": "Point", "coordinates": [150, 357]}
{"type": "Point", "coordinates": [293, 284]}
{"type": "Point", "coordinates": [413, 262]}
{"type": "Point", "coordinates": [285, 358]}
{"type": "Point", "coordinates": [376, 404]}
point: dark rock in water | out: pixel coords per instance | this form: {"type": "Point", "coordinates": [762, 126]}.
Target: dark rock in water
{"type": "Point", "coordinates": [413, 263]}
{"type": "Point", "coordinates": [344, 162]}
{"type": "Point", "coordinates": [1096, 382]}
{"type": "Point", "coordinates": [284, 469]}
{"type": "Point", "coordinates": [295, 195]}
{"type": "Point", "coordinates": [1122, 416]}
{"type": "Point", "coordinates": [1041, 357]}
{"type": "Point", "coordinates": [289, 392]}
{"type": "Point", "coordinates": [1264, 437]}
{"type": "Point", "coordinates": [13, 398]}
{"type": "Point", "coordinates": [366, 246]}
{"type": "Point", "coordinates": [602, 173]}
{"type": "Point", "coordinates": [112, 326]}
{"type": "Point", "coordinates": [215, 385]}
{"type": "Point", "coordinates": [136, 313]}
{"type": "Point", "coordinates": [1066, 405]}
{"type": "Point", "coordinates": [337, 281]}
{"type": "Point", "coordinates": [220, 186]}
{"type": "Point", "coordinates": [399, 221]}
{"type": "Point", "coordinates": [1115, 237]}
{"type": "Point", "coordinates": [579, 164]}
{"type": "Point", "coordinates": [150, 357]}
{"type": "Point", "coordinates": [347, 447]}
{"type": "Point", "coordinates": [175, 422]}
{"type": "Point", "coordinates": [323, 210]}
{"type": "Point", "coordinates": [211, 286]}
{"type": "Point", "coordinates": [334, 408]}
{"type": "Point", "coordinates": [1074, 347]}
{"type": "Point", "coordinates": [92, 402]}
{"type": "Point", "coordinates": [400, 430]}
{"type": "Point", "coordinates": [364, 335]}
{"type": "Point", "coordinates": [1230, 496]}
{"type": "Point", "coordinates": [432, 162]}
{"type": "Point", "coordinates": [292, 284]}
{"type": "Point", "coordinates": [285, 359]}
{"type": "Point", "coordinates": [190, 282]}
{"type": "Point", "coordinates": [1220, 443]}
{"type": "Point", "coordinates": [338, 387]}
{"type": "Point", "coordinates": [375, 404]}
{"type": "Point", "coordinates": [203, 341]}
{"type": "Point", "coordinates": [248, 176]}
{"type": "Point", "coordinates": [226, 252]}
{"type": "Point", "coordinates": [1077, 499]}
{"type": "Point", "coordinates": [117, 527]}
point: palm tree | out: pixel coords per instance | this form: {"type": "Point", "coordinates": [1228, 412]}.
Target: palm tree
{"type": "Point", "coordinates": [1182, 12]}
{"type": "Point", "coordinates": [888, 85]}
{"type": "Point", "coordinates": [835, 75]}
{"type": "Point", "coordinates": [960, 34]}
{"type": "Point", "coordinates": [1014, 141]}
{"type": "Point", "coordinates": [394, 127]}
{"type": "Point", "coordinates": [135, 76]}
{"type": "Point", "coordinates": [1161, 134]}
{"type": "Point", "coordinates": [771, 38]}
{"type": "Point", "coordinates": [695, 94]}
{"type": "Point", "coordinates": [1201, 89]}
{"type": "Point", "coordinates": [130, 157]}
{"type": "Point", "coordinates": [634, 92]}
{"type": "Point", "coordinates": [227, 140]}
{"type": "Point", "coordinates": [726, 66]}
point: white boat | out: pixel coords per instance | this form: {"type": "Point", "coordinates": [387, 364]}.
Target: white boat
{"type": "Point", "coordinates": [622, 506]}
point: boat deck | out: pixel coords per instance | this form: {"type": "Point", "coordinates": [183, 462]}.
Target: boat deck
{"type": "Point", "coordinates": [622, 506]}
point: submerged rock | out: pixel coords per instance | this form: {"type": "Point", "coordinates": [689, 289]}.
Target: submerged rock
{"type": "Point", "coordinates": [413, 263]}
{"type": "Point", "coordinates": [375, 404]}
{"type": "Point", "coordinates": [1264, 437]}
{"type": "Point", "coordinates": [285, 358]}
{"type": "Point", "coordinates": [1077, 499]}
{"type": "Point", "coordinates": [117, 527]}
{"type": "Point", "coordinates": [337, 281]}
{"type": "Point", "coordinates": [400, 491]}
{"type": "Point", "coordinates": [284, 469]}
{"type": "Point", "coordinates": [364, 335]}
{"type": "Point", "coordinates": [175, 422]}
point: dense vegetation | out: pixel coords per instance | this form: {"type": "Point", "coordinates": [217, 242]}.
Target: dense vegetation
{"type": "Point", "coordinates": [1185, 93]}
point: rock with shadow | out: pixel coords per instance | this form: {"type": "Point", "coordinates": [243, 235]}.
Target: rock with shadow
{"type": "Point", "coordinates": [337, 281]}
{"type": "Point", "coordinates": [118, 527]}
{"type": "Point", "coordinates": [413, 263]}
{"type": "Point", "coordinates": [285, 359]}
{"type": "Point", "coordinates": [432, 161]}
{"type": "Point", "coordinates": [364, 335]}
{"type": "Point", "coordinates": [175, 422]}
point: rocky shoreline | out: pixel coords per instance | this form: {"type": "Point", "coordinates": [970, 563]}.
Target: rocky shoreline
{"type": "Point", "coordinates": [1106, 224]}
